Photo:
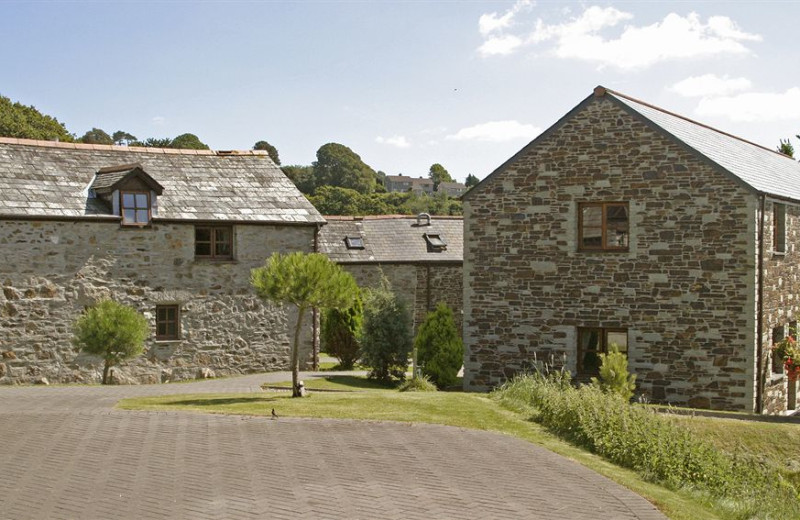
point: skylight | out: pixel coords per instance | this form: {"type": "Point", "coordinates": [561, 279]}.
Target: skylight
{"type": "Point", "coordinates": [435, 242]}
{"type": "Point", "coordinates": [354, 242]}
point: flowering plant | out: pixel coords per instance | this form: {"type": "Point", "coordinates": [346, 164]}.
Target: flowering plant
{"type": "Point", "coordinates": [788, 350]}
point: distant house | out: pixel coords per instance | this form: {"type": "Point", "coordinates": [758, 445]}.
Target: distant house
{"type": "Point", "coordinates": [420, 256]}
{"type": "Point", "coordinates": [173, 233]}
{"type": "Point", "coordinates": [403, 183]}
{"type": "Point", "coordinates": [452, 189]}
{"type": "Point", "coordinates": [626, 224]}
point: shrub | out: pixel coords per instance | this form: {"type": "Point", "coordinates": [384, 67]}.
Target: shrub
{"type": "Point", "coordinates": [614, 376]}
{"type": "Point", "coordinates": [440, 351]}
{"type": "Point", "coordinates": [112, 331]}
{"type": "Point", "coordinates": [385, 335]}
{"type": "Point", "coordinates": [653, 444]}
{"type": "Point", "coordinates": [340, 332]}
{"type": "Point", "coordinates": [418, 384]}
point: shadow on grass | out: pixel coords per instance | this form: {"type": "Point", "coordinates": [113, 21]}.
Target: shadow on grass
{"type": "Point", "coordinates": [221, 401]}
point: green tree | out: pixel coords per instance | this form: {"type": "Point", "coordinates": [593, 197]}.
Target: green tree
{"type": "Point", "coordinates": [301, 176]}
{"type": "Point", "coordinates": [153, 142]}
{"type": "Point", "coordinates": [438, 347]}
{"type": "Point", "coordinates": [96, 136]}
{"type": "Point", "coordinates": [471, 181]}
{"type": "Point", "coordinates": [340, 332]}
{"type": "Point", "coordinates": [306, 281]}
{"type": "Point", "coordinates": [25, 122]}
{"type": "Point", "coordinates": [338, 165]}
{"type": "Point", "coordinates": [786, 147]}
{"type": "Point", "coordinates": [385, 334]}
{"type": "Point", "coordinates": [123, 138]}
{"type": "Point", "coordinates": [330, 200]}
{"type": "Point", "coordinates": [112, 331]}
{"type": "Point", "coordinates": [439, 175]}
{"type": "Point", "coordinates": [271, 151]}
{"type": "Point", "coordinates": [614, 377]}
{"type": "Point", "coordinates": [188, 142]}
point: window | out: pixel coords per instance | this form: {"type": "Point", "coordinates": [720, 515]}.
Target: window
{"type": "Point", "coordinates": [168, 326]}
{"type": "Point", "coordinates": [436, 243]}
{"type": "Point", "coordinates": [213, 242]}
{"type": "Point", "coordinates": [779, 228]}
{"type": "Point", "coordinates": [777, 337]}
{"type": "Point", "coordinates": [595, 341]}
{"type": "Point", "coordinates": [135, 206]}
{"type": "Point", "coordinates": [603, 226]}
{"type": "Point", "coordinates": [354, 242]}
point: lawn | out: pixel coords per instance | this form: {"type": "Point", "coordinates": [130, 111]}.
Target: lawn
{"type": "Point", "coordinates": [464, 410]}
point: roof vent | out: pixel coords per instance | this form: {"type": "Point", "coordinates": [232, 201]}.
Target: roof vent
{"type": "Point", "coordinates": [425, 216]}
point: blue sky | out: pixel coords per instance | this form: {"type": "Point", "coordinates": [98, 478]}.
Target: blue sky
{"type": "Point", "coordinates": [404, 84]}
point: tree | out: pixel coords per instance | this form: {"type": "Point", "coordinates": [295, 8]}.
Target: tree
{"type": "Point", "coordinates": [471, 181]}
{"type": "Point", "coordinates": [96, 136]}
{"type": "Point", "coordinates": [271, 151]}
{"type": "Point", "coordinates": [123, 138]}
{"type": "Point", "coordinates": [439, 350]}
{"type": "Point", "coordinates": [340, 332]}
{"type": "Point", "coordinates": [439, 175]}
{"type": "Point", "coordinates": [301, 176]}
{"type": "Point", "coordinates": [306, 281]}
{"type": "Point", "coordinates": [188, 142]}
{"type": "Point", "coordinates": [385, 334]}
{"type": "Point", "coordinates": [786, 147]}
{"type": "Point", "coordinates": [25, 122]}
{"type": "Point", "coordinates": [153, 142]}
{"type": "Point", "coordinates": [330, 200]}
{"type": "Point", "coordinates": [112, 331]}
{"type": "Point", "coordinates": [614, 376]}
{"type": "Point", "coordinates": [338, 165]}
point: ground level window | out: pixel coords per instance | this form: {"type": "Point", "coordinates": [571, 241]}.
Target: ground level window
{"type": "Point", "coordinates": [168, 325]}
{"type": "Point", "coordinates": [213, 242]}
{"type": "Point", "coordinates": [595, 341]}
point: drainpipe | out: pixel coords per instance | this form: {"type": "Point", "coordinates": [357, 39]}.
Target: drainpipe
{"type": "Point", "coordinates": [760, 312]}
{"type": "Point", "coordinates": [315, 315]}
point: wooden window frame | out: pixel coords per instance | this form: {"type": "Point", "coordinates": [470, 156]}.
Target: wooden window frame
{"type": "Point", "coordinates": [135, 208]}
{"type": "Point", "coordinates": [602, 348]}
{"type": "Point", "coordinates": [163, 322]}
{"type": "Point", "coordinates": [779, 228]}
{"type": "Point", "coordinates": [604, 226]}
{"type": "Point", "coordinates": [212, 242]}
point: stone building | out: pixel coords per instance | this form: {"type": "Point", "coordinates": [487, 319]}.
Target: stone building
{"type": "Point", "coordinates": [420, 256]}
{"type": "Point", "coordinates": [403, 183]}
{"type": "Point", "coordinates": [626, 224]}
{"type": "Point", "coordinates": [173, 233]}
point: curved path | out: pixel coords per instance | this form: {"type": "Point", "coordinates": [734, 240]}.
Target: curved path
{"type": "Point", "coordinates": [65, 453]}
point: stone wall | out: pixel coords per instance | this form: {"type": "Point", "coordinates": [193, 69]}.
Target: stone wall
{"type": "Point", "coordinates": [684, 290]}
{"type": "Point", "coordinates": [51, 270]}
{"type": "Point", "coordinates": [781, 300]}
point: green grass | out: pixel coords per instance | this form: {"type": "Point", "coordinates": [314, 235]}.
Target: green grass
{"type": "Point", "coordinates": [335, 383]}
{"type": "Point", "coordinates": [464, 410]}
{"type": "Point", "coordinates": [332, 366]}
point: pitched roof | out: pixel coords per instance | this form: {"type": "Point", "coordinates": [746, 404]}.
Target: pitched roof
{"type": "Point", "coordinates": [763, 169]}
{"type": "Point", "coordinates": [107, 179]}
{"type": "Point", "coordinates": [760, 168]}
{"type": "Point", "coordinates": [49, 179]}
{"type": "Point", "coordinates": [391, 239]}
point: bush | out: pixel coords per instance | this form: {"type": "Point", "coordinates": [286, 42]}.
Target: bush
{"type": "Point", "coordinates": [340, 332]}
{"type": "Point", "coordinates": [440, 351]}
{"type": "Point", "coordinates": [385, 335]}
{"type": "Point", "coordinates": [418, 384]}
{"type": "Point", "coordinates": [614, 376]}
{"type": "Point", "coordinates": [112, 331]}
{"type": "Point", "coordinates": [652, 444]}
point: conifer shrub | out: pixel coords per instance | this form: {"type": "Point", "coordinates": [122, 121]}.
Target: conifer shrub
{"type": "Point", "coordinates": [385, 334]}
{"type": "Point", "coordinates": [418, 384]}
{"type": "Point", "coordinates": [614, 377]}
{"type": "Point", "coordinates": [340, 333]}
{"type": "Point", "coordinates": [440, 351]}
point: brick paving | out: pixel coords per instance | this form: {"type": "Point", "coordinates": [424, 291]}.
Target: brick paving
{"type": "Point", "coordinates": [65, 453]}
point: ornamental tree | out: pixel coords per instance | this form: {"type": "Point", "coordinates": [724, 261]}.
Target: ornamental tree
{"type": "Point", "coordinates": [438, 346]}
{"type": "Point", "coordinates": [112, 331]}
{"type": "Point", "coordinates": [306, 281]}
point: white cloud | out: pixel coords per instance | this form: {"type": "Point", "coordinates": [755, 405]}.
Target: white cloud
{"type": "Point", "coordinates": [710, 85]}
{"type": "Point", "coordinates": [491, 22]}
{"type": "Point", "coordinates": [585, 37]}
{"type": "Point", "coordinates": [753, 106]}
{"type": "Point", "coordinates": [396, 140]}
{"type": "Point", "coordinates": [496, 132]}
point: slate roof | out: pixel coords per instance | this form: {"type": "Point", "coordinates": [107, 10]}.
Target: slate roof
{"type": "Point", "coordinates": [391, 239]}
{"type": "Point", "coordinates": [763, 169]}
{"type": "Point", "coordinates": [50, 179]}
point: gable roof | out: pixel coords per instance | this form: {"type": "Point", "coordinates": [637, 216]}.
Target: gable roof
{"type": "Point", "coordinates": [759, 168]}
{"type": "Point", "coordinates": [52, 180]}
{"type": "Point", "coordinates": [391, 239]}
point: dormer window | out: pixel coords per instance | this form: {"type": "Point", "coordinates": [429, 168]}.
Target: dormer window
{"type": "Point", "coordinates": [436, 243]}
{"type": "Point", "coordinates": [354, 242]}
{"type": "Point", "coordinates": [135, 208]}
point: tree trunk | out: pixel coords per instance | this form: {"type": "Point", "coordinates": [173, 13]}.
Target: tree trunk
{"type": "Point", "coordinates": [105, 372]}
{"type": "Point", "coordinates": [296, 353]}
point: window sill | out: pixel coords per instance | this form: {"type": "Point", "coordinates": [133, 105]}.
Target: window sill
{"type": "Point", "coordinates": [604, 251]}
{"type": "Point", "coordinates": [136, 226]}
{"type": "Point", "coordinates": [779, 254]}
{"type": "Point", "coordinates": [776, 378]}
{"type": "Point", "coordinates": [202, 260]}
{"type": "Point", "coordinates": [167, 341]}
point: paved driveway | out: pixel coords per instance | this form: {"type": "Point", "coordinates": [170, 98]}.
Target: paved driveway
{"type": "Point", "coordinates": [66, 454]}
